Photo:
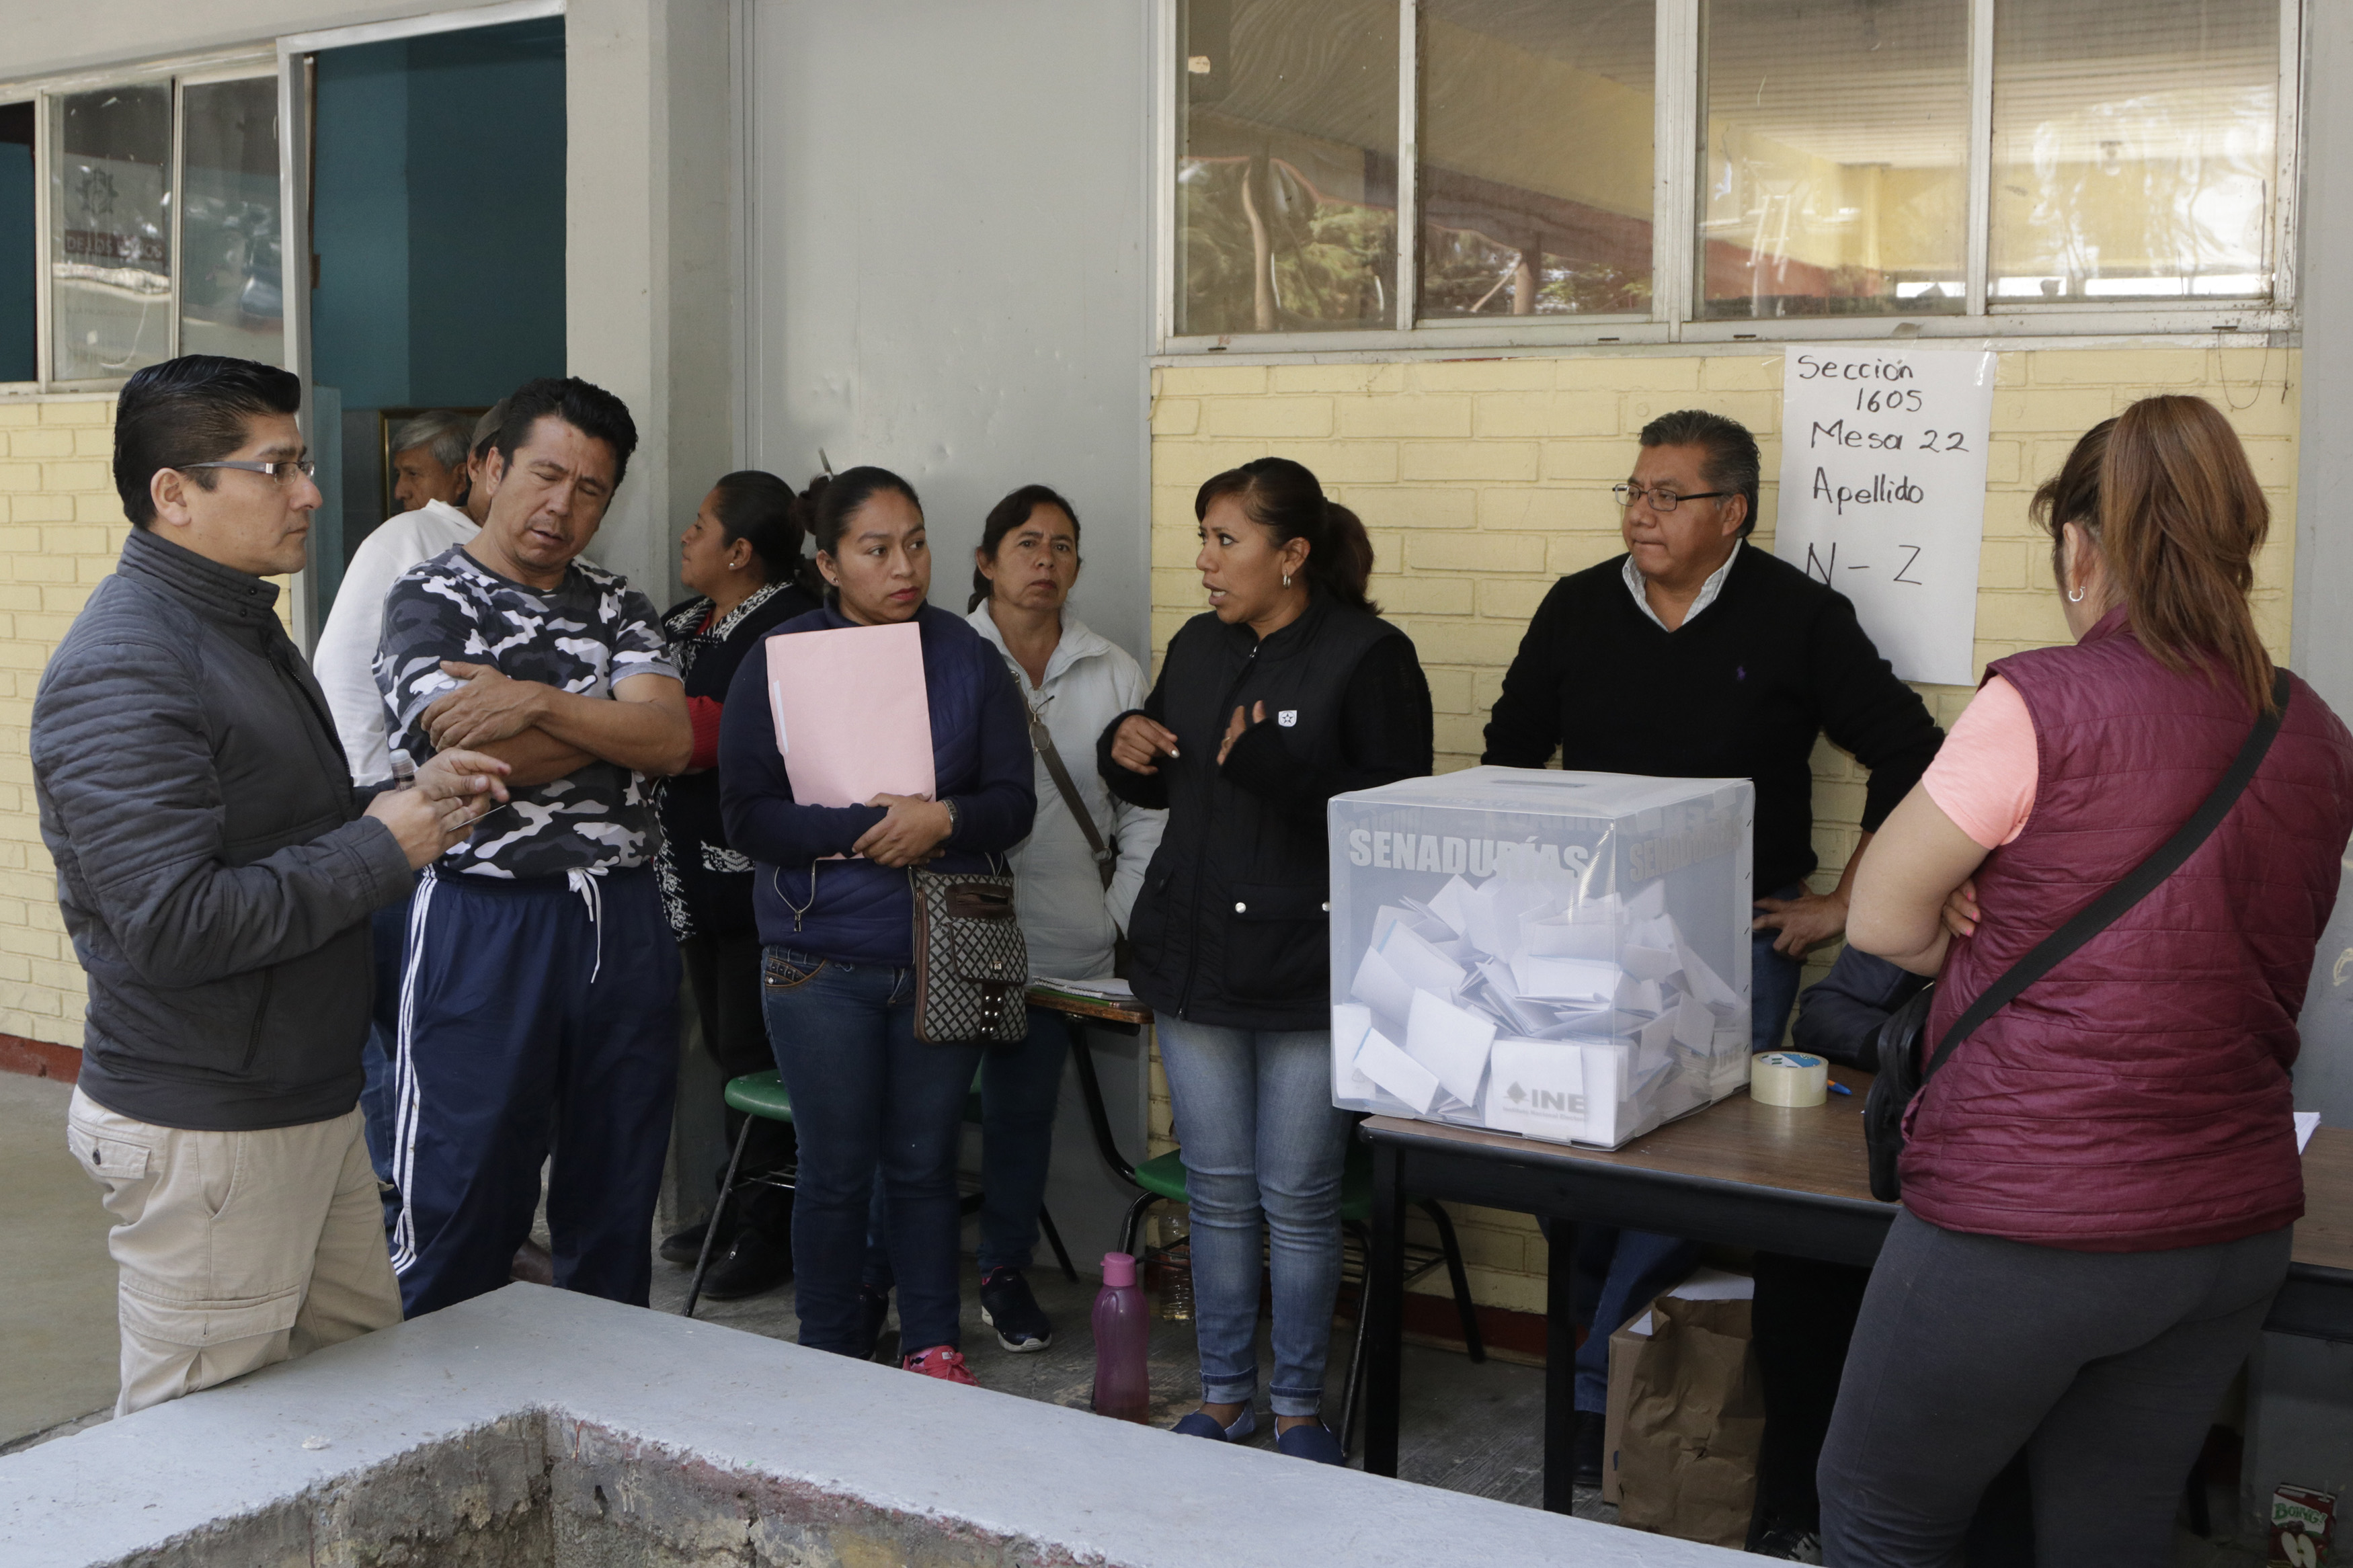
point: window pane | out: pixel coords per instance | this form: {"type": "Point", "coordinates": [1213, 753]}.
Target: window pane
{"type": "Point", "coordinates": [1286, 174]}
{"type": "Point", "coordinates": [229, 299]}
{"type": "Point", "coordinates": [2133, 149]}
{"type": "Point", "coordinates": [20, 257]}
{"type": "Point", "coordinates": [109, 261]}
{"type": "Point", "coordinates": [1834, 158]}
{"type": "Point", "coordinates": [1535, 185]}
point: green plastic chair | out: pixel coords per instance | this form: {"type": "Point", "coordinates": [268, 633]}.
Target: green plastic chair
{"type": "Point", "coordinates": [763, 1095]}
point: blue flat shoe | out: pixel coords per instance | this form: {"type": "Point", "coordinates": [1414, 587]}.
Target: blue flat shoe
{"type": "Point", "coordinates": [1201, 1424]}
{"type": "Point", "coordinates": [1314, 1442]}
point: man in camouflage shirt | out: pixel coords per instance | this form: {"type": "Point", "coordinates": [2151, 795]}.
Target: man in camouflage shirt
{"type": "Point", "coordinates": [539, 984]}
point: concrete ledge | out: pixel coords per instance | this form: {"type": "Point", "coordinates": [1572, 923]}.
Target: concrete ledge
{"type": "Point", "coordinates": [537, 1426]}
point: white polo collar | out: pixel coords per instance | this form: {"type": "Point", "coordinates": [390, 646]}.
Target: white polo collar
{"type": "Point", "coordinates": [1708, 590]}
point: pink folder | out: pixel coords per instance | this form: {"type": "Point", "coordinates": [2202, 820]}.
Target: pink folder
{"type": "Point", "coordinates": [853, 718]}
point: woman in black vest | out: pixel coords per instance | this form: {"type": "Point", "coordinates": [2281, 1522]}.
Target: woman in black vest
{"type": "Point", "coordinates": [740, 561]}
{"type": "Point", "coordinates": [1289, 691]}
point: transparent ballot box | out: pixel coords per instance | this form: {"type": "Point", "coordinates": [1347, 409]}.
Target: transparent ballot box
{"type": "Point", "coordinates": [1559, 956]}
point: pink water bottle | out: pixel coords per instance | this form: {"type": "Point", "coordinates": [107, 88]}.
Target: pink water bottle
{"type": "Point", "coordinates": [1123, 1324]}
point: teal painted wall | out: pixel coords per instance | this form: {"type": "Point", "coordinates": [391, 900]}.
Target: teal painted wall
{"type": "Point", "coordinates": [439, 217]}
{"type": "Point", "coordinates": [19, 257]}
{"type": "Point", "coordinates": [485, 211]}
{"type": "Point", "coordinates": [359, 227]}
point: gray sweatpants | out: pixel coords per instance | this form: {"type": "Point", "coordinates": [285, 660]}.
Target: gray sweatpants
{"type": "Point", "coordinates": [2104, 1367]}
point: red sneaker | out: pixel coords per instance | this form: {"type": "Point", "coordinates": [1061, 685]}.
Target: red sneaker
{"type": "Point", "coordinates": [942, 1362]}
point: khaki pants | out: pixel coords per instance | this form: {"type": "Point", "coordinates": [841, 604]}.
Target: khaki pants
{"type": "Point", "coordinates": [237, 1249]}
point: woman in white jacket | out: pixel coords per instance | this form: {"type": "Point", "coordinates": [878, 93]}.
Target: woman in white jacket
{"type": "Point", "coordinates": [1072, 908]}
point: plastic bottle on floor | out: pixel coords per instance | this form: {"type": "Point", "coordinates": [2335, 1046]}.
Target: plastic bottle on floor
{"type": "Point", "coordinates": [1123, 1326]}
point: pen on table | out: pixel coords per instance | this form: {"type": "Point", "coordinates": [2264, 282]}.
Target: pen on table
{"type": "Point", "coordinates": [1840, 1089]}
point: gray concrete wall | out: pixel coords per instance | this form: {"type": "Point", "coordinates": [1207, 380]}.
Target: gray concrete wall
{"type": "Point", "coordinates": [2300, 1391]}
{"type": "Point", "coordinates": [2321, 646]}
{"type": "Point", "coordinates": [948, 215]}
{"type": "Point", "coordinates": [2322, 639]}
{"type": "Point", "coordinates": [650, 289]}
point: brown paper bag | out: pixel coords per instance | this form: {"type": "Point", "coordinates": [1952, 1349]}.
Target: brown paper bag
{"type": "Point", "coordinates": [1625, 1349]}
{"type": "Point", "coordinates": [1686, 1459]}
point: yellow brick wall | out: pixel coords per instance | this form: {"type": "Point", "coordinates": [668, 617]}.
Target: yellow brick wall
{"type": "Point", "coordinates": [63, 527]}
{"type": "Point", "coordinates": [1482, 481]}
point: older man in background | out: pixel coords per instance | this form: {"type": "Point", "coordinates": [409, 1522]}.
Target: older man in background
{"type": "Point", "coordinates": [428, 459]}
{"type": "Point", "coordinates": [345, 659]}
{"type": "Point", "coordinates": [345, 662]}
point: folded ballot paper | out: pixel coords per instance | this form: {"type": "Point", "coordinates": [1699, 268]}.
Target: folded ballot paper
{"type": "Point", "coordinates": [1559, 956]}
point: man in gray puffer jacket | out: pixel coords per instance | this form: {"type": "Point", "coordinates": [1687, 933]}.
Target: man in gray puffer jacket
{"type": "Point", "coordinates": [216, 871]}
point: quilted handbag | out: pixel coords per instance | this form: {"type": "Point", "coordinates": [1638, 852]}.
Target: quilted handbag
{"type": "Point", "coordinates": [972, 967]}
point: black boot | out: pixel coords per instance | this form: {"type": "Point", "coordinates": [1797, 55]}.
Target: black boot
{"type": "Point", "coordinates": [753, 1265]}
{"type": "Point", "coordinates": [1586, 1455]}
{"type": "Point", "coordinates": [683, 1248]}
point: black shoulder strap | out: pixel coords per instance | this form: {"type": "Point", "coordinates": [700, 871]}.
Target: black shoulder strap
{"type": "Point", "coordinates": [2137, 884]}
{"type": "Point", "coordinates": [1043, 741]}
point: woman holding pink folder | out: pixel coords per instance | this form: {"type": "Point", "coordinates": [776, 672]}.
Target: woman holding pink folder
{"type": "Point", "coordinates": [836, 919]}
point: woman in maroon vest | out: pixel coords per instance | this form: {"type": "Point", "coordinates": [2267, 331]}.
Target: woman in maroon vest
{"type": "Point", "coordinates": [2101, 1180]}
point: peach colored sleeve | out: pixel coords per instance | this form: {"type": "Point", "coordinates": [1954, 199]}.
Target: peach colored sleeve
{"type": "Point", "coordinates": [1984, 776]}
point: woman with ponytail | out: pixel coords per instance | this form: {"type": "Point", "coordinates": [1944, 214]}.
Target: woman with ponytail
{"type": "Point", "coordinates": [2100, 1180]}
{"type": "Point", "coordinates": [742, 565]}
{"type": "Point", "coordinates": [1290, 689]}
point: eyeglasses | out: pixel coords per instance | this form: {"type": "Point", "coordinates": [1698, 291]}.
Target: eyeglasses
{"type": "Point", "coordinates": [282, 472]}
{"type": "Point", "coordinates": [1662, 499]}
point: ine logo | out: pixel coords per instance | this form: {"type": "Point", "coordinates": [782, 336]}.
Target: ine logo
{"type": "Point", "coordinates": [1546, 1099]}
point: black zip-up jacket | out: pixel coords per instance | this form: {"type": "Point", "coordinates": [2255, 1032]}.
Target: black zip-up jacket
{"type": "Point", "coordinates": [216, 873]}
{"type": "Point", "coordinates": [706, 887]}
{"type": "Point", "coordinates": [1233, 926]}
{"type": "Point", "coordinates": [1740, 692]}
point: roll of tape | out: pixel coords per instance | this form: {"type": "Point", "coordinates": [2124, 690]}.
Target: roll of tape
{"type": "Point", "coordinates": [1794, 1078]}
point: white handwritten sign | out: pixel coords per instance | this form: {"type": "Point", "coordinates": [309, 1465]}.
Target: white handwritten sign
{"type": "Point", "coordinates": [1883, 493]}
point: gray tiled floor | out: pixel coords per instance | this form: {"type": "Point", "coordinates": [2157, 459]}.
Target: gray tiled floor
{"type": "Point", "coordinates": [1469, 1428]}
{"type": "Point", "coordinates": [57, 1284]}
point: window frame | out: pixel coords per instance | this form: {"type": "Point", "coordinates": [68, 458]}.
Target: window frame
{"type": "Point", "coordinates": [221, 65]}
{"type": "Point", "coordinates": [1673, 230]}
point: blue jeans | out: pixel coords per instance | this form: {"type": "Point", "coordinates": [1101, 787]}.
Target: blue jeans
{"type": "Point", "coordinates": [1021, 1083]}
{"type": "Point", "coordinates": [1618, 1271]}
{"type": "Point", "coordinates": [869, 1101]}
{"type": "Point", "coordinates": [1261, 1141]}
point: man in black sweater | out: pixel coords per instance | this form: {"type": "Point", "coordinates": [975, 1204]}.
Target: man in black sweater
{"type": "Point", "coordinates": [1692, 656]}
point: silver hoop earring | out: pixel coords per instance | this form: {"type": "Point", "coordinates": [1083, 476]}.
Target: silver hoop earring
{"type": "Point", "coordinates": [2075, 595]}
{"type": "Point", "coordinates": [1286, 579]}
